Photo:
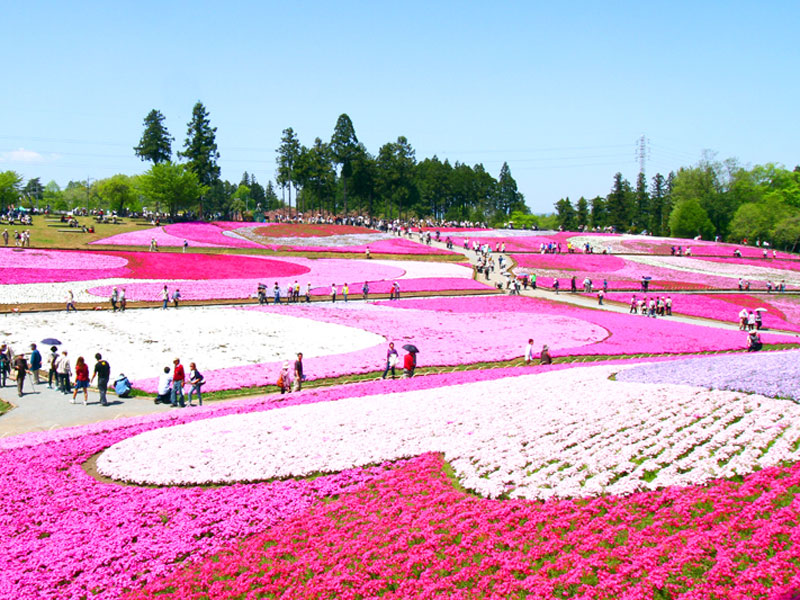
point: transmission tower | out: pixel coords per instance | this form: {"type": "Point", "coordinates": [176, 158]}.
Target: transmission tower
{"type": "Point", "coordinates": [642, 152]}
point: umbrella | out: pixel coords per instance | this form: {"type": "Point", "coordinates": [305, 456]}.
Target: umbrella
{"type": "Point", "coordinates": [647, 278]}
{"type": "Point", "coordinates": [51, 342]}
{"type": "Point", "coordinates": [411, 348]}
{"type": "Point", "coordinates": [761, 309]}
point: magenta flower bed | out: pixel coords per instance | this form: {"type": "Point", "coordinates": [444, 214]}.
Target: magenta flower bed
{"type": "Point", "coordinates": [408, 534]}
{"type": "Point", "coordinates": [64, 534]}
{"type": "Point", "coordinates": [723, 307]}
{"type": "Point", "coordinates": [143, 237]}
{"type": "Point", "coordinates": [527, 243]}
{"type": "Point", "coordinates": [769, 263]}
{"type": "Point", "coordinates": [393, 246]}
{"type": "Point", "coordinates": [453, 331]}
{"type": "Point", "coordinates": [200, 234]}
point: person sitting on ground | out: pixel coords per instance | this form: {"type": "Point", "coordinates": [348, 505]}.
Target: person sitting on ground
{"type": "Point", "coordinates": [164, 389]}
{"type": "Point", "coordinates": [544, 357]}
{"type": "Point", "coordinates": [754, 342]}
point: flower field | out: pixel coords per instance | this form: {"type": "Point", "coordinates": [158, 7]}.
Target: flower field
{"type": "Point", "coordinates": [664, 476]}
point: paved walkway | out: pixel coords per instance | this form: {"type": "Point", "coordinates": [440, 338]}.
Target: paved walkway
{"type": "Point", "coordinates": [42, 409]}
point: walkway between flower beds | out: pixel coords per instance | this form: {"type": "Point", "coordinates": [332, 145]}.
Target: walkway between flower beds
{"type": "Point", "coordinates": [44, 409]}
{"type": "Point", "coordinates": [580, 299]}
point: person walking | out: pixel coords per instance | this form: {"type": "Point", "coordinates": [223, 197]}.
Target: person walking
{"type": "Point", "coordinates": [178, 379]}
{"type": "Point", "coordinates": [391, 361]}
{"type": "Point", "coordinates": [51, 371]}
{"type": "Point", "coordinates": [333, 292]}
{"type": "Point", "coordinates": [164, 298]}
{"type": "Point", "coordinates": [298, 372]}
{"type": "Point", "coordinates": [122, 301]}
{"type": "Point", "coordinates": [36, 364]}
{"type": "Point", "coordinates": [409, 364]}
{"type": "Point", "coordinates": [114, 299]}
{"type": "Point", "coordinates": [529, 351]}
{"type": "Point", "coordinates": [365, 290]}
{"type": "Point", "coordinates": [21, 366]}
{"type": "Point", "coordinates": [176, 297]}
{"type": "Point", "coordinates": [81, 380]}
{"type": "Point", "coordinates": [5, 364]}
{"type": "Point", "coordinates": [276, 293]}
{"type": "Point", "coordinates": [102, 370]}
{"type": "Point", "coordinates": [196, 380]}
{"type": "Point", "coordinates": [71, 301]}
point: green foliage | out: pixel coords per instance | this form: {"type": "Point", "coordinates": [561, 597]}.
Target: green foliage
{"type": "Point", "coordinates": [395, 178]}
{"type": "Point", "coordinates": [566, 214]}
{"type": "Point", "coordinates": [156, 142]}
{"type": "Point", "coordinates": [116, 192]}
{"type": "Point", "coordinates": [314, 173]}
{"type": "Point", "coordinates": [288, 153]}
{"type": "Point", "coordinates": [641, 214]}
{"type": "Point", "coordinates": [660, 206]}
{"type": "Point", "coordinates": [599, 214]}
{"type": "Point", "coordinates": [10, 186]}
{"type": "Point", "coordinates": [172, 186]}
{"type": "Point", "coordinates": [689, 219]}
{"type": "Point", "coordinates": [200, 147]}
{"type": "Point", "coordinates": [582, 212]}
{"type": "Point", "coordinates": [343, 148]}
{"type": "Point", "coordinates": [508, 198]}
{"type": "Point", "coordinates": [620, 204]}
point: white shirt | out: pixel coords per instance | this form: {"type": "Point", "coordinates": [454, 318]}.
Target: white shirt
{"type": "Point", "coordinates": [164, 383]}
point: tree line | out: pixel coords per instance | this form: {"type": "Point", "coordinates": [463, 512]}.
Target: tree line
{"type": "Point", "coordinates": [712, 199]}
{"type": "Point", "coordinates": [335, 177]}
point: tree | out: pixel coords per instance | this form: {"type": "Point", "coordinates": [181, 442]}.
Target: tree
{"type": "Point", "coordinates": [509, 199]}
{"type": "Point", "coordinates": [582, 212]}
{"type": "Point", "coordinates": [641, 217]}
{"type": "Point", "coordinates": [395, 176]}
{"type": "Point", "coordinates": [10, 183]}
{"type": "Point", "coordinates": [566, 214]}
{"type": "Point", "coordinates": [786, 233]}
{"type": "Point", "coordinates": [288, 152]}
{"type": "Point", "coordinates": [599, 215]}
{"type": "Point", "coordinates": [689, 219]}
{"type": "Point", "coordinates": [175, 186]}
{"type": "Point", "coordinates": [271, 200]}
{"type": "Point", "coordinates": [619, 204]}
{"type": "Point", "coordinates": [33, 190]}
{"type": "Point", "coordinates": [658, 209]}
{"type": "Point", "coordinates": [200, 149]}
{"type": "Point", "coordinates": [343, 147]}
{"type": "Point", "coordinates": [117, 192]}
{"type": "Point", "coordinates": [363, 178]}
{"type": "Point", "coordinates": [315, 174]}
{"type": "Point", "coordinates": [156, 142]}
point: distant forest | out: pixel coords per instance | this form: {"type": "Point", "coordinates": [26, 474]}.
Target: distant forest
{"type": "Point", "coordinates": [340, 176]}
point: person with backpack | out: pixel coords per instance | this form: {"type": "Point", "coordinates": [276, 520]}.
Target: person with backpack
{"type": "Point", "coordinates": [196, 380]}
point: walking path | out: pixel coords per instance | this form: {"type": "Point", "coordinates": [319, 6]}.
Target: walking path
{"type": "Point", "coordinates": [43, 409]}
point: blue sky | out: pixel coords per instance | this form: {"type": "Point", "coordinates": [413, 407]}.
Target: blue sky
{"type": "Point", "coordinates": [561, 91]}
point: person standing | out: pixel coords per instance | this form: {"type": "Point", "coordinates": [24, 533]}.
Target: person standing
{"type": "Point", "coordinates": [5, 365]}
{"type": "Point", "coordinates": [529, 351]}
{"type": "Point", "coordinates": [345, 291]}
{"type": "Point", "coordinates": [333, 292]}
{"type": "Point", "coordinates": [81, 380]}
{"type": "Point", "coordinates": [122, 301]}
{"type": "Point", "coordinates": [276, 293]}
{"type": "Point", "coordinates": [185, 245]}
{"type": "Point", "coordinates": [63, 373]}
{"type": "Point", "coordinates": [176, 297]}
{"type": "Point", "coordinates": [308, 292]}
{"type": "Point", "coordinates": [36, 363]}
{"type": "Point", "coordinates": [51, 363]}
{"type": "Point", "coordinates": [178, 379]}
{"type": "Point", "coordinates": [298, 372]}
{"type": "Point", "coordinates": [365, 290]}
{"type": "Point", "coordinates": [5, 237]}
{"type": "Point", "coordinates": [196, 381]}
{"type": "Point", "coordinates": [102, 370]}
{"type": "Point", "coordinates": [114, 298]}
{"type": "Point", "coordinates": [21, 366]}
{"type": "Point", "coordinates": [391, 361]}
{"type": "Point", "coordinates": [164, 298]}
{"type": "Point", "coordinates": [409, 364]}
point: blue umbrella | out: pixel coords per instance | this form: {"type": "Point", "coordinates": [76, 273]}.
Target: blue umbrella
{"type": "Point", "coordinates": [51, 342]}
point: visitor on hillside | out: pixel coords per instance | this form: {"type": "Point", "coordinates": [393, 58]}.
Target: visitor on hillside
{"type": "Point", "coordinates": [71, 301]}
{"type": "Point", "coordinates": [164, 390]}
{"type": "Point", "coordinates": [81, 380]}
{"type": "Point", "coordinates": [51, 363]}
{"type": "Point", "coordinates": [365, 290]}
{"type": "Point", "coordinates": [64, 372]}
{"type": "Point", "coordinates": [114, 299]}
{"type": "Point", "coordinates": [308, 292]}
{"type": "Point", "coordinates": [178, 379]}
{"type": "Point", "coordinates": [333, 292]}
{"type": "Point", "coordinates": [285, 378]}
{"type": "Point", "coordinates": [176, 297]}
{"type": "Point", "coordinates": [164, 298]}
{"type": "Point", "coordinates": [544, 357]}
{"type": "Point", "coordinates": [754, 342]}
{"type": "Point", "coordinates": [409, 364]}
{"type": "Point", "coordinates": [634, 306]}
{"type": "Point", "coordinates": [391, 361]}
{"type": "Point", "coordinates": [298, 372]}
{"type": "Point", "coordinates": [36, 364]}
{"type": "Point", "coordinates": [102, 370]}
{"type": "Point", "coordinates": [529, 351]}
{"type": "Point", "coordinates": [123, 302]}
{"type": "Point", "coordinates": [276, 293]}
{"type": "Point", "coordinates": [751, 321]}
{"type": "Point", "coordinates": [196, 380]}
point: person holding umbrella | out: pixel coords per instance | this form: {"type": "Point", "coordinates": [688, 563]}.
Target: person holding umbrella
{"type": "Point", "coordinates": [410, 360]}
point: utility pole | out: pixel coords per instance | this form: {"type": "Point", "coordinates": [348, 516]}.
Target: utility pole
{"type": "Point", "coordinates": [642, 152]}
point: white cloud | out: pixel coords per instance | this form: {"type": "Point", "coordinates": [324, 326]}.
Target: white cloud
{"type": "Point", "coordinates": [21, 155]}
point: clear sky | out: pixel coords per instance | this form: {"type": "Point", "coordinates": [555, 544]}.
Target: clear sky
{"type": "Point", "coordinates": [560, 90]}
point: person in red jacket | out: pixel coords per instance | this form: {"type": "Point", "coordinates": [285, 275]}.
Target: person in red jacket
{"type": "Point", "coordinates": [178, 379]}
{"type": "Point", "coordinates": [409, 364]}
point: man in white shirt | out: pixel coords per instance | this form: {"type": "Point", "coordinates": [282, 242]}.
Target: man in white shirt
{"type": "Point", "coordinates": [164, 387]}
{"type": "Point", "coordinates": [529, 351]}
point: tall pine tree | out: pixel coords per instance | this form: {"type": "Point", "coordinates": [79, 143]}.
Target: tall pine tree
{"type": "Point", "coordinates": [200, 148]}
{"type": "Point", "coordinates": [343, 147]}
{"type": "Point", "coordinates": [156, 142]}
